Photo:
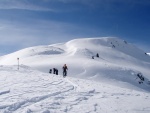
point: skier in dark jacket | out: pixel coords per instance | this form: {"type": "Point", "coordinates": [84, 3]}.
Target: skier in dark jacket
{"type": "Point", "coordinates": [65, 68]}
{"type": "Point", "coordinates": [50, 71]}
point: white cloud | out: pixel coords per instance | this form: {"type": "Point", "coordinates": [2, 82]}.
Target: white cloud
{"type": "Point", "coordinates": [23, 4]}
{"type": "Point", "coordinates": [39, 32]}
{"type": "Point", "coordinates": [46, 5]}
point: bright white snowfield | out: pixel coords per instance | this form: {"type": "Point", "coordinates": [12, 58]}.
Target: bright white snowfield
{"type": "Point", "coordinates": [105, 84]}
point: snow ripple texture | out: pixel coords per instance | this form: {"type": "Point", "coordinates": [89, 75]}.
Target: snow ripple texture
{"type": "Point", "coordinates": [30, 91]}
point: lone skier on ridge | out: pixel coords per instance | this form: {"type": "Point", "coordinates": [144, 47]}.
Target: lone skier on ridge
{"type": "Point", "coordinates": [65, 68]}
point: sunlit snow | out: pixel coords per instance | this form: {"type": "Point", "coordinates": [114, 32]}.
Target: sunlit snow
{"type": "Point", "coordinates": [105, 84]}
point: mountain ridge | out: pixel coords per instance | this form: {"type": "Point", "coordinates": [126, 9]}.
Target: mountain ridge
{"type": "Point", "coordinates": [118, 60]}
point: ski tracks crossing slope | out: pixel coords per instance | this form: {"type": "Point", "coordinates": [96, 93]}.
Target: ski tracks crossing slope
{"type": "Point", "coordinates": [30, 91]}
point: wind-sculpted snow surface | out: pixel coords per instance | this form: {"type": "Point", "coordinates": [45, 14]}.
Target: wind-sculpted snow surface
{"type": "Point", "coordinates": [30, 91]}
{"type": "Point", "coordinates": [30, 53]}
{"type": "Point", "coordinates": [118, 62]}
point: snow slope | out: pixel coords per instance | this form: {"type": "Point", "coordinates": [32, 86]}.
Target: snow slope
{"type": "Point", "coordinates": [118, 64]}
{"type": "Point", "coordinates": [30, 91]}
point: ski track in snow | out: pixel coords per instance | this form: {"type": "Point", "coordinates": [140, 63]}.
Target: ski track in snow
{"type": "Point", "coordinates": [36, 92]}
{"type": "Point", "coordinates": [4, 92]}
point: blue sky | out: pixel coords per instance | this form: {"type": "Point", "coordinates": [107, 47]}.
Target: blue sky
{"type": "Point", "coordinates": [26, 23]}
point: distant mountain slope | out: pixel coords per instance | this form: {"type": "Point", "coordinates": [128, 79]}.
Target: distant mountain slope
{"type": "Point", "coordinates": [118, 60]}
{"type": "Point", "coordinates": [109, 44]}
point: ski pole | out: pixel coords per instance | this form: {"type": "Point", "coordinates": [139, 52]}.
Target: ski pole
{"type": "Point", "coordinates": [18, 63]}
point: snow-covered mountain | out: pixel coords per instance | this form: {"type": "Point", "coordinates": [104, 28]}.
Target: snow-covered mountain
{"type": "Point", "coordinates": [118, 60]}
{"type": "Point", "coordinates": [115, 81]}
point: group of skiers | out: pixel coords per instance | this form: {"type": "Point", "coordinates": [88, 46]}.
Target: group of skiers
{"type": "Point", "coordinates": [97, 55]}
{"type": "Point", "coordinates": [65, 68]}
{"type": "Point", "coordinates": [55, 70]}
